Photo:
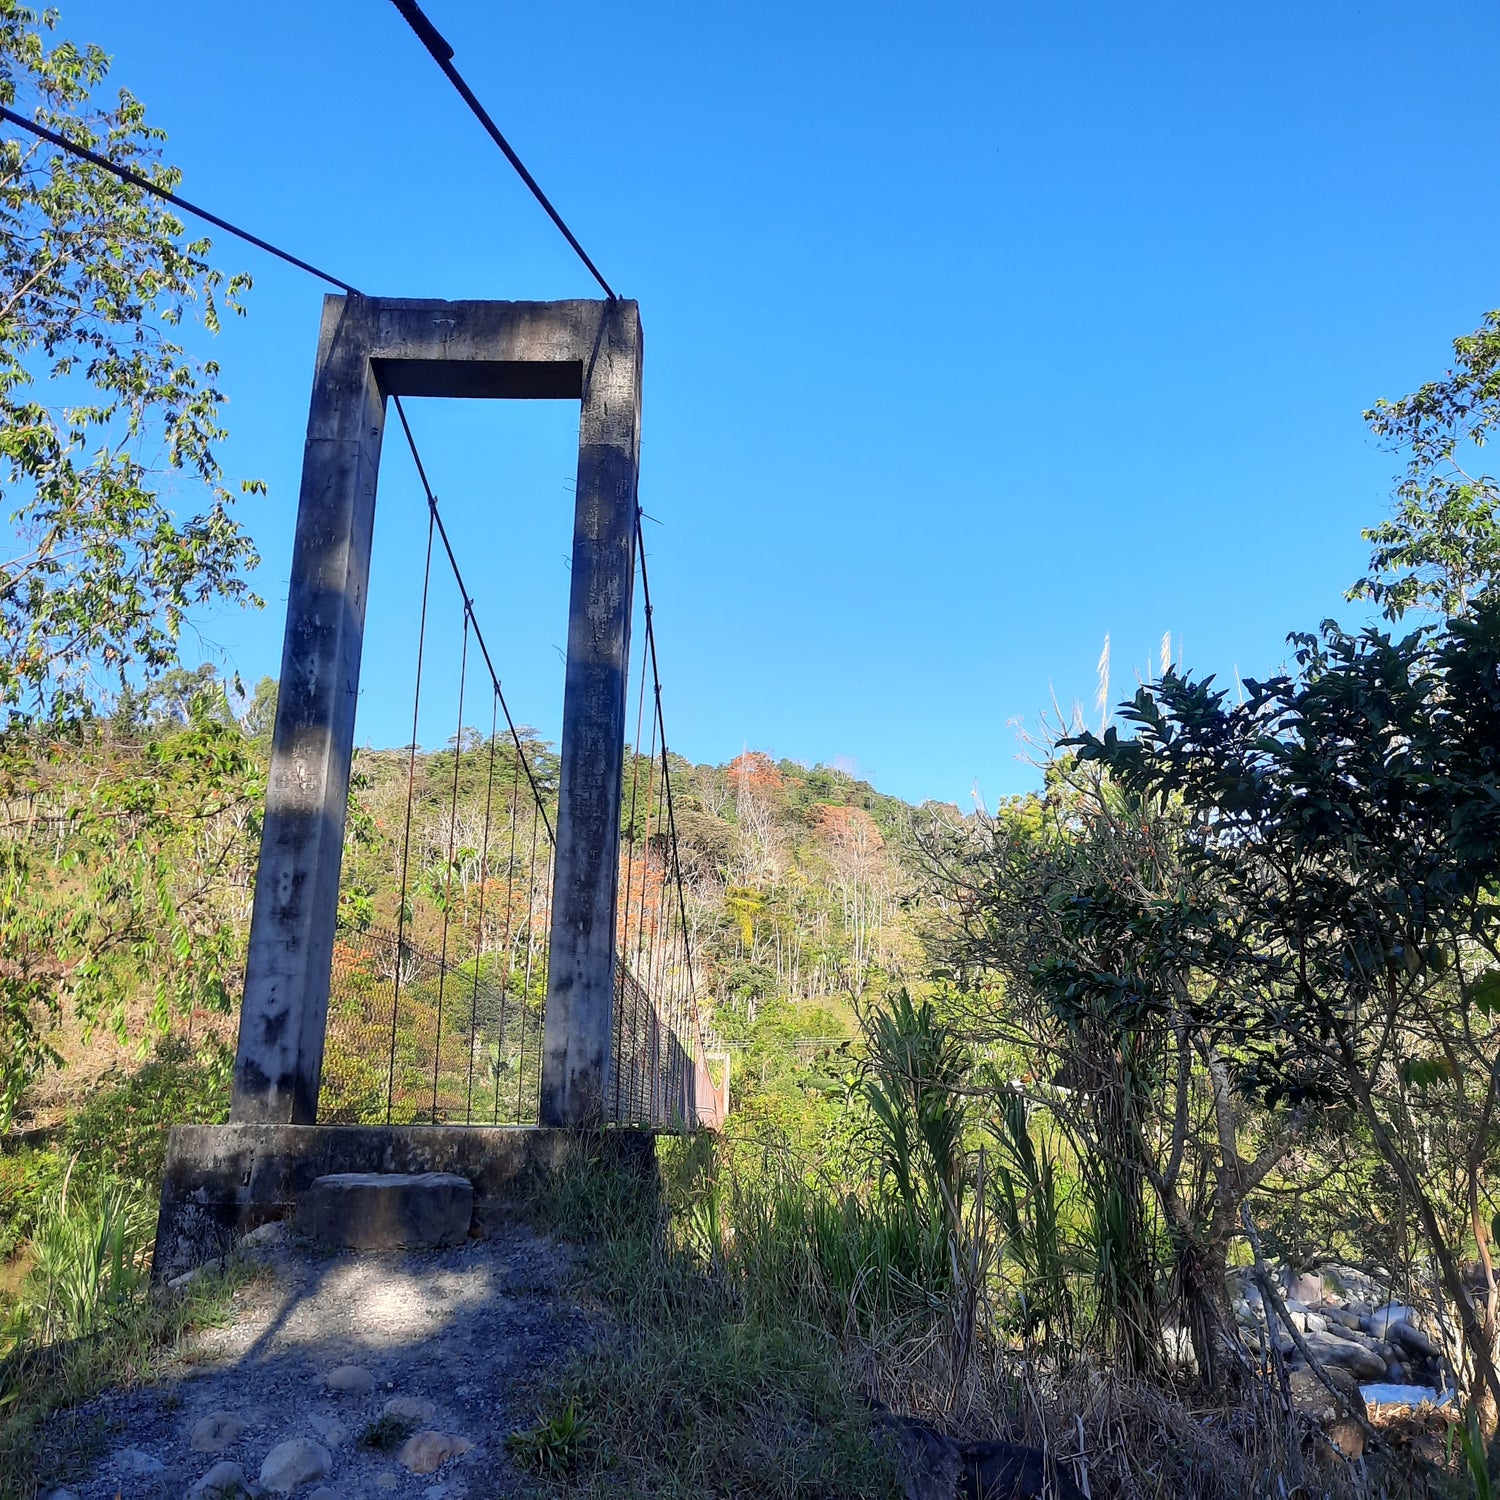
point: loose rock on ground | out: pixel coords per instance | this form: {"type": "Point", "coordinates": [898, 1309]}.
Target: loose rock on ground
{"type": "Point", "coordinates": [449, 1344]}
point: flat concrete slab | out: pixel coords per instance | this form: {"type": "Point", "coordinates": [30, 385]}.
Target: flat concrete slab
{"type": "Point", "coordinates": [221, 1181]}
{"type": "Point", "coordinates": [387, 1210]}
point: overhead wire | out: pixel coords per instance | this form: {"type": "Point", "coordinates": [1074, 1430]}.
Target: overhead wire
{"type": "Point", "coordinates": [168, 195]}
{"type": "Point", "coordinates": [484, 866]}
{"type": "Point", "coordinates": [442, 54]}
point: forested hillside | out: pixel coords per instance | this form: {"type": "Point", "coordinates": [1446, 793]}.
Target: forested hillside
{"type": "Point", "coordinates": [797, 891]}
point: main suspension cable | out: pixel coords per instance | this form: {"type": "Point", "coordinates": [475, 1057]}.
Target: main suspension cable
{"type": "Point", "coordinates": [442, 54]}
{"type": "Point", "coordinates": [136, 179]}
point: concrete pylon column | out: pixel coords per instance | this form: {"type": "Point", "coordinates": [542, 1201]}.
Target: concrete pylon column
{"type": "Point", "coordinates": [576, 1042]}
{"type": "Point", "coordinates": [279, 1057]}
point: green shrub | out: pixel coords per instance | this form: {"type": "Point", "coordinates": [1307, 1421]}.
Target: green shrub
{"type": "Point", "coordinates": [26, 1178]}
{"type": "Point", "coordinates": [387, 1433]}
{"type": "Point", "coordinates": [122, 1127]}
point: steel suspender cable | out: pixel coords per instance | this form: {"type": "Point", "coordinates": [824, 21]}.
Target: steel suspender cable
{"type": "Point", "coordinates": [458, 750]}
{"type": "Point", "coordinates": [442, 54]}
{"type": "Point", "coordinates": [411, 442]}
{"type": "Point", "coordinates": [411, 784]}
{"type": "Point", "coordinates": [484, 880]}
{"type": "Point", "coordinates": [666, 769]}
{"type": "Point", "coordinates": [505, 955]}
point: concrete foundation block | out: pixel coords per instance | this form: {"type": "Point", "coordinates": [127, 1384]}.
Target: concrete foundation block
{"type": "Point", "coordinates": [223, 1181]}
{"type": "Point", "coordinates": [387, 1210]}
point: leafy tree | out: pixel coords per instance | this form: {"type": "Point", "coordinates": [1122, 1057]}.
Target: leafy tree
{"type": "Point", "coordinates": [124, 837]}
{"type": "Point", "coordinates": [106, 419]}
{"type": "Point", "coordinates": [1441, 549]}
{"type": "Point", "coordinates": [1085, 903]}
{"type": "Point", "coordinates": [1348, 816]}
{"type": "Point", "coordinates": [259, 717]}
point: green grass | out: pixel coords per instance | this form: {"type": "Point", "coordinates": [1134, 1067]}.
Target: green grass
{"type": "Point", "coordinates": [127, 1347]}
{"type": "Point", "coordinates": [387, 1433]}
{"type": "Point", "coordinates": [704, 1389]}
{"type": "Point", "coordinates": [77, 1220]}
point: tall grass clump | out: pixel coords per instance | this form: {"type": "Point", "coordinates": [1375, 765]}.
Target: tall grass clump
{"type": "Point", "coordinates": [79, 1218]}
{"type": "Point", "coordinates": [90, 1256]}
{"type": "Point", "coordinates": [960, 1264]}
{"type": "Point", "coordinates": [718, 1380]}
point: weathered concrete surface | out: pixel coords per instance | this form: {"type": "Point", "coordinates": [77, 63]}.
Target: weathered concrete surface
{"type": "Point", "coordinates": [370, 349]}
{"type": "Point", "coordinates": [387, 1210]}
{"type": "Point", "coordinates": [581, 962]}
{"type": "Point", "coordinates": [221, 1181]}
{"type": "Point", "coordinates": [279, 1057]}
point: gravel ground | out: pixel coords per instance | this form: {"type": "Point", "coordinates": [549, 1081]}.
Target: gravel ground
{"type": "Point", "coordinates": [454, 1339]}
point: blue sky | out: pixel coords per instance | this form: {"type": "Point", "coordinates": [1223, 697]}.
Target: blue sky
{"type": "Point", "coordinates": [973, 332]}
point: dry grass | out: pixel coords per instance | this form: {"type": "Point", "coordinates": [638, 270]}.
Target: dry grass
{"type": "Point", "coordinates": [1132, 1439]}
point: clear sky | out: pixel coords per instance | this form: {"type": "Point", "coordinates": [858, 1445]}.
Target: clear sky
{"type": "Point", "coordinates": [973, 331]}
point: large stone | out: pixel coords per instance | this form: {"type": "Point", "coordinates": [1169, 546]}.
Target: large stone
{"type": "Point", "coordinates": [1310, 1395]}
{"type": "Point", "coordinates": [1413, 1340]}
{"type": "Point", "coordinates": [932, 1466]}
{"type": "Point", "coordinates": [225, 1481]}
{"type": "Point", "coordinates": [1379, 1323]}
{"type": "Point", "coordinates": [425, 1452]}
{"type": "Point", "coordinates": [1347, 1436]}
{"type": "Point", "coordinates": [927, 1462]}
{"type": "Point", "coordinates": [217, 1430]}
{"type": "Point", "coordinates": [992, 1469]}
{"type": "Point", "coordinates": [291, 1464]}
{"type": "Point", "coordinates": [388, 1210]}
{"type": "Point", "coordinates": [1362, 1363]}
{"type": "Point", "coordinates": [1306, 1287]}
{"type": "Point", "coordinates": [351, 1380]}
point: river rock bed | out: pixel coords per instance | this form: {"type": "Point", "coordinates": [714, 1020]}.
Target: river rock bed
{"type": "Point", "coordinates": [1347, 1322]}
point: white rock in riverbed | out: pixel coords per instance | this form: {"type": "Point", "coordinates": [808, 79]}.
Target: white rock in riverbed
{"type": "Point", "coordinates": [1386, 1394]}
{"type": "Point", "coordinates": [1380, 1321]}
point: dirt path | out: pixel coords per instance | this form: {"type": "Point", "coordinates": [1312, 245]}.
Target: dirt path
{"type": "Point", "coordinates": [450, 1342]}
